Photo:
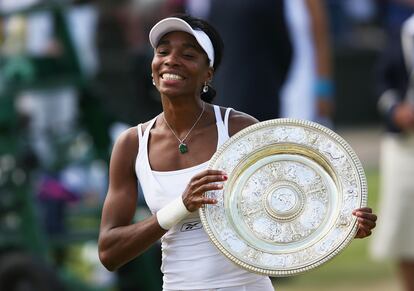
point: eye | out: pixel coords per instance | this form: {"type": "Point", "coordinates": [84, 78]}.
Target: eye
{"type": "Point", "coordinates": [189, 53]}
{"type": "Point", "coordinates": [162, 52]}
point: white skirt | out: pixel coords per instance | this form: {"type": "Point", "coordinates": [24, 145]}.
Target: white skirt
{"type": "Point", "coordinates": [393, 237]}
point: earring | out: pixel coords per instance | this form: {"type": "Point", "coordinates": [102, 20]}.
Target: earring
{"type": "Point", "coordinates": [205, 87]}
{"type": "Point", "coordinates": [153, 82]}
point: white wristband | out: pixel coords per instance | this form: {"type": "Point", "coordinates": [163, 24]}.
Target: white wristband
{"type": "Point", "coordinates": [172, 213]}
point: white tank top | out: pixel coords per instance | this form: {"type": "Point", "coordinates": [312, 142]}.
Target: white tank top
{"type": "Point", "coordinates": [189, 259]}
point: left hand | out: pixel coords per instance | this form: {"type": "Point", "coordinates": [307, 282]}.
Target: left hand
{"type": "Point", "coordinates": [366, 221]}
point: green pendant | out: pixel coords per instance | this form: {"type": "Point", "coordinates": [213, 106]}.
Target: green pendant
{"type": "Point", "coordinates": [183, 148]}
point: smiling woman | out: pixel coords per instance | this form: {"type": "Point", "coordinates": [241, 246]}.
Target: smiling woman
{"type": "Point", "coordinates": [196, 47]}
{"type": "Point", "coordinates": [180, 65]}
{"type": "Point", "coordinates": [169, 156]}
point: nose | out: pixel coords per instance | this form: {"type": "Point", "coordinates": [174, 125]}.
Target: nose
{"type": "Point", "coordinates": [172, 59]}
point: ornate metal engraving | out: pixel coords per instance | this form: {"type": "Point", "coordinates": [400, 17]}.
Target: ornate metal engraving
{"type": "Point", "coordinates": [287, 206]}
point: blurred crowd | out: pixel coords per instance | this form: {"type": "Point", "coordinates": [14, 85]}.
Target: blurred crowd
{"type": "Point", "coordinates": [76, 73]}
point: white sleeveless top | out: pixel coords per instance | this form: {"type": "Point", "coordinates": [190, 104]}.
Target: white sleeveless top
{"type": "Point", "coordinates": [189, 260]}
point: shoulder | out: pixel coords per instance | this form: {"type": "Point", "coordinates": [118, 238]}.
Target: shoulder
{"type": "Point", "coordinates": [123, 156]}
{"type": "Point", "coordinates": [146, 124]}
{"type": "Point", "coordinates": [128, 139]}
{"type": "Point", "coordinates": [127, 142]}
{"type": "Point", "coordinates": [239, 120]}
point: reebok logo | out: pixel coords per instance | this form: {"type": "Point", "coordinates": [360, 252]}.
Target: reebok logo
{"type": "Point", "coordinates": [189, 226]}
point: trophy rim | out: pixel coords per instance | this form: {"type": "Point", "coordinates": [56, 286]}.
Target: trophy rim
{"type": "Point", "coordinates": [280, 272]}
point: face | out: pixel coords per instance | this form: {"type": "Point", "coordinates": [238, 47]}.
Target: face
{"type": "Point", "coordinates": [180, 66]}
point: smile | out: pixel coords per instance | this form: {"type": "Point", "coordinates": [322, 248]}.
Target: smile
{"type": "Point", "coordinates": [168, 76]}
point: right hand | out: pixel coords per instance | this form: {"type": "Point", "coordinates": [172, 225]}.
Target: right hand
{"type": "Point", "coordinates": [193, 196]}
{"type": "Point", "coordinates": [324, 107]}
{"type": "Point", "coordinates": [404, 116]}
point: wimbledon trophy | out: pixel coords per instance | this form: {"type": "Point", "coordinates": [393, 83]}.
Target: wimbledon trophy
{"type": "Point", "coordinates": [287, 205]}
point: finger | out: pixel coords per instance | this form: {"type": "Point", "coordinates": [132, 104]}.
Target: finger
{"type": "Point", "coordinates": [362, 209]}
{"type": "Point", "coordinates": [360, 234]}
{"type": "Point", "coordinates": [366, 224]}
{"type": "Point", "coordinates": [367, 232]}
{"type": "Point", "coordinates": [363, 233]}
{"type": "Point", "coordinates": [196, 183]}
{"type": "Point", "coordinates": [365, 215]}
{"type": "Point", "coordinates": [196, 186]}
{"type": "Point", "coordinates": [206, 200]}
{"type": "Point", "coordinates": [208, 173]}
{"type": "Point", "coordinates": [199, 202]}
{"type": "Point", "coordinates": [209, 187]}
{"type": "Point", "coordinates": [211, 179]}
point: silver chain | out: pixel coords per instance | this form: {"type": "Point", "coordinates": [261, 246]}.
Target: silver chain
{"type": "Point", "coordinates": [195, 123]}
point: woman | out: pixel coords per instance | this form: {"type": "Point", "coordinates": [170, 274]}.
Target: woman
{"type": "Point", "coordinates": [169, 155]}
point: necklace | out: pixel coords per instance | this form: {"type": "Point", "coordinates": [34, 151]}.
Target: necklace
{"type": "Point", "coordinates": [182, 147]}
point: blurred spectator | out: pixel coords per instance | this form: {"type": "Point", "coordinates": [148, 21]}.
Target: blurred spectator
{"type": "Point", "coordinates": [394, 238]}
{"type": "Point", "coordinates": [82, 21]}
{"type": "Point", "coordinates": [11, 5]}
{"type": "Point", "coordinates": [349, 19]}
{"type": "Point", "coordinates": [310, 70]}
{"type": "Point", "coordinates": [54, 196]}
{"type": "Point", "coordinates": [47, 55]}
{"type": "Point", "coordinates": [395, 13]}
{"type": "Point", "coordinates": [119, 84]}
{"type": "Point", "coordinates": [308, 91]}
{"type": "Point", "coordinates": [257, 53]}
{"type": "Point", "coordinates": [123, 82]}
{"type": "Point", "coordinates": [49, 61]}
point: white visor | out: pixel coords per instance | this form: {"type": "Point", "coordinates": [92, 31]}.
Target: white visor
{"type": "Point", "coordinates": [177, 24]}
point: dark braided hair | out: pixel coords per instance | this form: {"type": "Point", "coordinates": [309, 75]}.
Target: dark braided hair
{"type": "Point", "coordinates": [216, 40]}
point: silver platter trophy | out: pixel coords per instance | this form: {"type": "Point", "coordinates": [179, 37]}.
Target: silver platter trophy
{"type": "Point", "coordinates": [287, 205]}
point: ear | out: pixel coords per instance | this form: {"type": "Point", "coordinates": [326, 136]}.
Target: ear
{"type": "Point", "coordinates": [210, 74]}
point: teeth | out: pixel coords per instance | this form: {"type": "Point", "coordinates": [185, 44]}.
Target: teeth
{"type": "Point", "coordinates": [171, 77]}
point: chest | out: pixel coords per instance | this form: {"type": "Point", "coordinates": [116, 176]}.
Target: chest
{"type": "Point", "coordinates": [164, 153]}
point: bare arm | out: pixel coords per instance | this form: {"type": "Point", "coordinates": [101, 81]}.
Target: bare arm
{"type": "Point", "coordinates": [120, 240]}
{"type": "Point", "coordinates": [319, 28]}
